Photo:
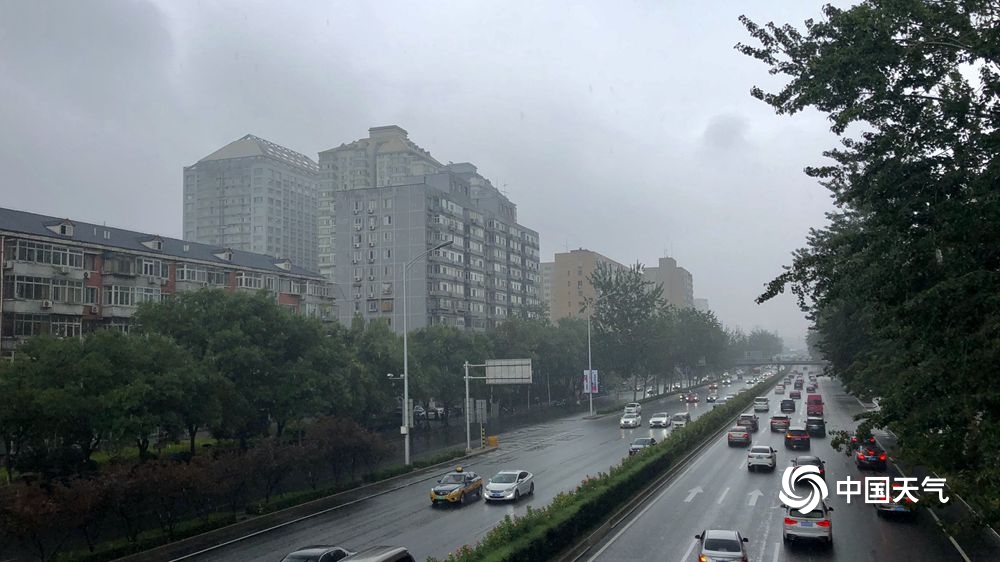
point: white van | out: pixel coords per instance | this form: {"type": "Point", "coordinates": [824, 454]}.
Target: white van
{"type": "Point", "coordinates": [761, 404]}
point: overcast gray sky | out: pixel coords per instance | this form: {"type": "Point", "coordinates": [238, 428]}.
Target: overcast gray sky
{"type": "Point", "coordinates": [622, 127]}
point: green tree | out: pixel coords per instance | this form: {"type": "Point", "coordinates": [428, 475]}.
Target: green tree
{"type": "Point", "coordinates": [623, 319]}
{"type": "Point", "coordinates": [903, 285]}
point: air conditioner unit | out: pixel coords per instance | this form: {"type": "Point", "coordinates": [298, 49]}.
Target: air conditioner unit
{"type": "Point", "coordinates": [64, 270]}
{"type": "Point", "coordinates": [371, 260]}
{"type": "Point", "coordinates": [371, 211]}
{"type": "Point", "coordinates": [371, 227]}
{"type": "Point", "coordinates": [357, 278]}
{"type": "Point", "coordinates": [371, 244]}
{"type": "Point", "coordinates": [371, 277]}
{"type": "Point", "coordinates": [94, 309]}
{"type": "Point", "coordinates": [357, 244]}
{"type": "Point", "coordinates": [151, 280]}
{"type": "Point", "coordinates": [355, 211]}
{"type": "Point", "coordinates": [86, 275]}
{"type": "Point", "coordinates": [357, 227]}
{"type": "Point", "coordinates": [9, 264]}
{"type": "Point", "coordinates": [164, 281]}
{"type": "Point", "coordinates": [46, 304]}
{"type": "Point", "coordinates": [354, 261]}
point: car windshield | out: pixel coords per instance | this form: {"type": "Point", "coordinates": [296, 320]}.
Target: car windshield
{"type": "Point", "coordinates": [505, 478]}
{"type": "Point", "coordinates": [764, 450]}
{"type": "Point", "coordinates": [643, 441]}
{"type": "Point", "coordinates": [797, 432]}
{"type": "Point", "coordinates": [664, 415]}
{"type": "Point", "coordinates": [722, 545]}
{"type": "Point", "coordinates": [300, 558]}
{"type": "Point", "coordinates": [454, 478]}
{"type": "Point", "coordinates": [677, 417]}
{"type": "Point", "coordinates": [814, 514]}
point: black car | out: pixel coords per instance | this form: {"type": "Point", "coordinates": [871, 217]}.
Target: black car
{"type": "Point", "coordinates": [639, 444]}
{"type": "Point", "coordinates": [788, 405]}
{"type": "Point", "coordinates": [816, 427]}
{"type": "Point", "coordinates": [803, 460]}
{"type": "Point", "coordinates": [318, 553]}
{"type": "Point", "coordinates": [870, 456]}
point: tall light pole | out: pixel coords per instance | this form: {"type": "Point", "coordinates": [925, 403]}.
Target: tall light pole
{"type": "Point", "coordinates": [406, 358]}
{"type": "Point", "coordinates": [590, 368]}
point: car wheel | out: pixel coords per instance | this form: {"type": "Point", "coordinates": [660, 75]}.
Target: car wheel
{"type": "Point", "coordinates": [517, 495]}
{"type": "Point", "coordinates": [463, 499]}
{"type": "Point", "coordinates": [531, 490]}
{"type": "Point", "coordinates": [749, 468]}
{"type": "Point", "coordinates": [785, 539]}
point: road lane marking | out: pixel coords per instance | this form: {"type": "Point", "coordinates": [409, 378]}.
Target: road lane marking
{"type": "Point", "coordinates": [777, 545]}
{"type": "Point", "coordinates": [753, 497]}
{"type": "Point", "coordinates": [688, 553]}
{"type": "Point", "coordinates": [693, 492]}
{"type": "Point", "coordinates": [722, 497]}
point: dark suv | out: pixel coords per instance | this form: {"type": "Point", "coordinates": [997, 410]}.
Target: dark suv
{"type": "Point", "coordinates": [797, 438]}
{"type": "Point", "coordinates": [816, 427]}
{"type": "Point", "coordinates": [788, 405]}
{"type": "Point", "coordinates": [870, 456]}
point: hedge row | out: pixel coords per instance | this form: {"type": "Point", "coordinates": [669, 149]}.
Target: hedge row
{"type": "Point", "coordinates": [542, 534]}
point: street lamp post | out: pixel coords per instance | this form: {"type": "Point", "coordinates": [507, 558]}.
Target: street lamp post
{"type": "Point", "coordinates": [406, 358]}
{"type": "Point", "coordinates": [590, 367]}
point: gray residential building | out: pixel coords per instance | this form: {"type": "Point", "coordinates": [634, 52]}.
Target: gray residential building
{"type": "Point", "coordinates": [487, 275]}
{"type": "Point", "coordinates": [677, 283]}
{"type": "Point", "coordinates": [545, 268]}
{"type": "Point", "coordinates": [385, 158]}
{"type": "Point", "coordinates": [67, 278]}
{"type": "Point", "coordinates": [256, 196]}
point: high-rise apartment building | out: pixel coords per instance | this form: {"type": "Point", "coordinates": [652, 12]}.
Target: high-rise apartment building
{"type": "Point", "coordinates": [386, 157]}
{"type": "Point", "coordinates": [571, 285]}
{"type": "Point", "coordinates": [677, 283]}
{"type": "Point", "coordinates": [488, 274]}
{"type": "Point", "coordinates": [256, 196]}
{"type": "Point", "coordinates": [546, 269]}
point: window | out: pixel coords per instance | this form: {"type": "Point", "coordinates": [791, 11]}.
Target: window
{"type": "Point", "coordinates": [388, 253]}
{"type": "Point", "coordinates": [67, 291]}
{"type": "Point", "coordinates": [64, 326]}
{"type": "Point", "coordinates": [118, 295]}
{"type": "Point", "coordinates": [32, 288]}
{"type": "Point", "coordinates": [29, 324]}
{"type": "Point", "coordinates": [387, 220]}
{"type": "Point", "coordinates": [387, 203]}
{"type": "Point", "coordinates": [386, 288]}
{"type": "Point", "coordinates": [248, 280]}
{"type": "Point", "coordinates": [151, 268]}
{"type": "Point", "coordinates": [90, 295]}
{"type": "Point", "coordinates": [372, 306]}
{"type": "Point", "coordinates": [37, 252]}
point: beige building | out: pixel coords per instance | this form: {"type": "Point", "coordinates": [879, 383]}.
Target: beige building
{"type": "Point", "coordinates": [677, 283]}
{"type": "Point", "coordinates": [571, 282]}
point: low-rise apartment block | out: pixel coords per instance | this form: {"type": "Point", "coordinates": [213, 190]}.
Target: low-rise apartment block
{"type": "Point", "coordinates": [67, 278]}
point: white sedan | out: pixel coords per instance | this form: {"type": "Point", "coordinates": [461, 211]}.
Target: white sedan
{"type": "Point", "coordinates": [509, 485]}
{"type": "Point", "coordinates": [630, 420]}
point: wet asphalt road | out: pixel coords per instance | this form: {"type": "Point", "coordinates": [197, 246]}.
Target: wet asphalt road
{"type": "Point", "coordinates": [717, 491]}
{"type": "Point", "coordinates": [560, 454]}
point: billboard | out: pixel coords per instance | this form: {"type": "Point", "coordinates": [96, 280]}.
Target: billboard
{"type": "Point", "coordinates": [508, 371]}
{"type": "Point", "coordinates": [590, 382]}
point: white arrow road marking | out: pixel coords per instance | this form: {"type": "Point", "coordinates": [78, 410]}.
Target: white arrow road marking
{"type": "Point", "coordinates": [753, 497]}
{"type": "Point", "coordinates": [723, 496]}
{"type": "Point", "coordinates": [692, 493]}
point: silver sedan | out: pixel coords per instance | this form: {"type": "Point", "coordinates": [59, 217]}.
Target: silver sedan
{"type": "Point", "coordinates": [509, 485]}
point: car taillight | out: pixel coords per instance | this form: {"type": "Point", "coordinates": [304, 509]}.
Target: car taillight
{"type": "Point", "coordinates": [861, 456]}
{"type": "Point", "coordinates": [703, 558]}
{"type": "Point", "coordinates": [881, 457]}
{"type": "Point", "coordinates": [790, 521]}
{"type": "Point", "coordinates": [823, 523]}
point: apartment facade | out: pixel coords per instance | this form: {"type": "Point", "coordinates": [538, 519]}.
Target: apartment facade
{"type": "Point", "coordinates": [677, 282]}
{"type": "Point", "coordinates": [571, 285]}
{"type": "Point", "coordinates": [545, 270]}
{"type": "Point", "coordinates": [67, 278]}
{"type": "Point", "coordinates": [256, 196]}
{"type": "Point", "coordinates": [488, 274]}
{"type": "Point", "coordinates": [385, 158]}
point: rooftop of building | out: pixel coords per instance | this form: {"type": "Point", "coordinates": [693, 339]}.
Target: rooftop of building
{"type": "Point", "coordinates": [388, 139]}
{"type": "Point", "coordinates": [251, 145]}
{"type": "Point", "coordinates": [83, 233]}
